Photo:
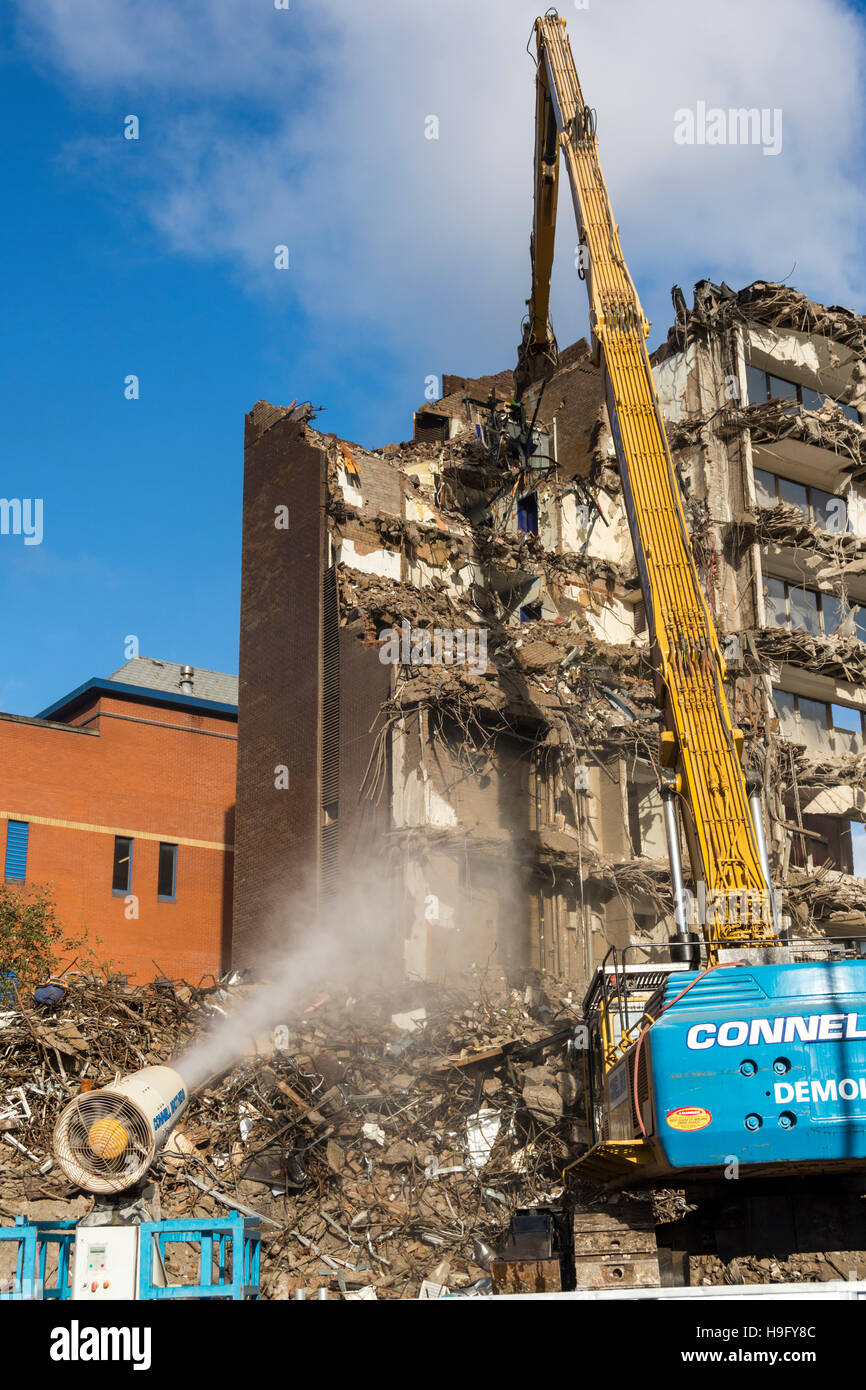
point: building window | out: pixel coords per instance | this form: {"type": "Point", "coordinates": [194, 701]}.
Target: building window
{"type": "Point", "coordinates": [527, 513]}
{"type": "Point", "coordinates": [847, 726]}
{"type": "Point", "coordinates": [762, 386]}
{"type": "Point", "coordinates": [823, 509]}
{"type": "Point", "coordinates": [837, 729]}
{"type": "Point", "coordinates": [840, 844]}
{"type": "Point", "coordinates": [121, 878]}
{"type": "Point", "coordinates": [348, 474]}
{"type": "Point", "coordinates": [350, 468]}
{"type": "Point", "coordinates": [430, 427]}
{"type": "Point", "coordinates": [808, 610]}
{"type": "Point", "coordinates": [17, 835]}
{"type": "Point", "coordinates": [166, 887]}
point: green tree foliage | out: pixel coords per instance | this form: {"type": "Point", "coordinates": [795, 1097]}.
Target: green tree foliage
{"type": "Point", "coordinates": [32, 940]}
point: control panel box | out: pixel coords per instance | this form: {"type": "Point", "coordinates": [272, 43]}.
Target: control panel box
{"type": "Point", "coordinates": [105, 1263]}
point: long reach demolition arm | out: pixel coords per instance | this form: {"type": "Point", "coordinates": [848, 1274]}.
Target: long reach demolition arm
{"type": "Point", "coordinates": [701, 752]}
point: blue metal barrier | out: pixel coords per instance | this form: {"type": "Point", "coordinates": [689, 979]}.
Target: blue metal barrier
{"type": "Point", "coordinates": [34, 1240]}
{"type": "Point", "coordinates": [238, 1245]}
{"type": "Point", "coordinates": [236, 1240]}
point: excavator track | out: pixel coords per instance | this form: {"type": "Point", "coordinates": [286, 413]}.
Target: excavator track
{"type": "Point", "coordinates": [734, 1233]}
{"type": "Point", "coordinates": [615, 1245]}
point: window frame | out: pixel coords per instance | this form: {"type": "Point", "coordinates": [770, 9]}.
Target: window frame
{"type": "Point", "coordinates": [172, 896]}
{"type": "Point", "coordinates": [830, 726]}
{"type": "Point", "coordinates": [850, 412]}
{"type": "Point", "coordinates": [530, 512]}
{"type": "Point", "coordinates": [820, 594]}
{"type": "Point", "coordinates": [16, 878]}
{"type": "Point", "coordinates": [122, 892]}
{"type": "Point", "coordinates": [810, 506]}
{"type": "Point", "coordinates": [839, 827]}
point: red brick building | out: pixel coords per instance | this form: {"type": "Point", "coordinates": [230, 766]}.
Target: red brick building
{"type": "Point", "coordinates": [121, 796]}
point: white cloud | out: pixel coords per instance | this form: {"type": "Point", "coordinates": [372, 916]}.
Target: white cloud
{"type": "Point", "coordinates": [307, 127]}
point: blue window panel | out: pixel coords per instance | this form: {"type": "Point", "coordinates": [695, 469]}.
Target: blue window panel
{"type": "Point", "coordinates": [756, 385]}
{"type": "Point", "coordinates": [527, 513]}
{"type": "Point", "coordinates": [17, 833]}
{"type": "Point", "coordinates": [812, 400]}
{"type": "Point", "coordinates": [846, 717]}
{"type": "Point", "coordinates": [782, 389]}
{"type": "Point", "coordinates": [765, 487]}
{"type": "Point", "coordinates": [803, 606]}
{"type": "Point", "coordinates": [829, 511]}
{"type": "Point", "coordinates": [777, 603]}
{"type": "Point", "coordinates": [795, 495]}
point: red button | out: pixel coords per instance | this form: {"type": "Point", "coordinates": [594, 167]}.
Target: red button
{"type": "Point", "coordinates": [94, 1286]}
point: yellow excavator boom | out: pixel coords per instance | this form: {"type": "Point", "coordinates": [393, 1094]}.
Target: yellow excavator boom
{"type": "Point", "coordinates": [701, 751]}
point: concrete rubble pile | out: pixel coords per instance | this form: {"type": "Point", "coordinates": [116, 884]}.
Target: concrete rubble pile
{"type": "Point", "coordinates": [765, 302]}
{"type": "Point", "coordinates": [825, 901]}
{"type": "Point", "coordinates": [825, 428]}
{"type": "Point", "coordinates": [831, 655]}
{"type": "Point", "coordinates": [840, 551]}
{"type": "Point", "coordinates": [384, 1142]}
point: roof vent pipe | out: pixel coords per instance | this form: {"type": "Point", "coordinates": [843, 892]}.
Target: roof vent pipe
{"type": "Point", "coordinates": [186, 675]}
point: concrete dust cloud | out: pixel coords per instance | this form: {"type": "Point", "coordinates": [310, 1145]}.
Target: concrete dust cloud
{"type": "Point", "coordinates": [343, 945]}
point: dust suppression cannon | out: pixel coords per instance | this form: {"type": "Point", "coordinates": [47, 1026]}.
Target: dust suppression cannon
{"type": "Point", "coordinates": [106, 1140]}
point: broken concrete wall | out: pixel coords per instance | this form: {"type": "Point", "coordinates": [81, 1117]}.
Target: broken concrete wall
{"type": "Point", "coordinates": [788, 449]}
{"type": "Point", "coordinates": [283, 566]}
{"type": "Point", "coordinates": [462, 810]}
{"type": "Point", "coordinates": [518, 791]}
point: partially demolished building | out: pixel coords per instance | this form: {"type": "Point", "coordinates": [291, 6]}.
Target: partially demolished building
{"type": "Point", "coordinates": [444, 665]}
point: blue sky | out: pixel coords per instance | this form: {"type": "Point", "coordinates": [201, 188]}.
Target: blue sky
{"type": "Point", "coordinates": [408, 256]}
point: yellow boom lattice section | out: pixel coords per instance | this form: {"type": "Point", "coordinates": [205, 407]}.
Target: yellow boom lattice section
{"type": "Point", "coordinates": [686, 647]}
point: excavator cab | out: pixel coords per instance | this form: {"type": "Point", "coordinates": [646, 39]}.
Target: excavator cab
{"type": "Point", "coordinates": [619, 1003]}
{"type": "Point", "coordinates": [594, 1082]}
